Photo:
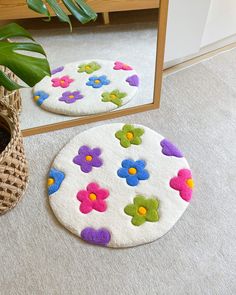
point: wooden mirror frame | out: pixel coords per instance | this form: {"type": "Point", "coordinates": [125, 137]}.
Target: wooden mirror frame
{"type": "Point", "coordinates": [161, 36]}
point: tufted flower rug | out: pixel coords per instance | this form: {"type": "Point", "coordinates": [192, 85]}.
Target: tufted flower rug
{"type": "Point", "coordinates": [87, 87]}
{"type": "Point", "coordinates": [119, 185]}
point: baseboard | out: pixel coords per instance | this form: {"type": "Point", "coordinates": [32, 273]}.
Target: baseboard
{"type": "Point", "coordinates": [211, 48]}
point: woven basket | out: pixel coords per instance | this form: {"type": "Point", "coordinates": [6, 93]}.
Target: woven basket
{"type": "Point", "coordinates": [13, 98]}
{"type": "Point", "coordinates": [13, 165]}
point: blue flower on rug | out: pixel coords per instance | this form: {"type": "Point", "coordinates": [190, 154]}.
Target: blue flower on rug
{"type": "Point", "coordinates": [133, 171]}
{"type": "Point", "coordinates": [98, 82]}
{"type": "Point", "coordinates": [54, 180]}
{"type": "Point", "coordinates": [40, 96]}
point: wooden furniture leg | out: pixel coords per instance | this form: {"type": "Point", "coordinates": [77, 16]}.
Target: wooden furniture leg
{"type": "Point", "coordinates": [106, 18]}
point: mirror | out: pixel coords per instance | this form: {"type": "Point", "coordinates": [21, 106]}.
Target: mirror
{"type": "Point", "coordinates": [130, 38]}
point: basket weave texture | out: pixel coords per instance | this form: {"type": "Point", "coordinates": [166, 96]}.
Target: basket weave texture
{"type": "Point", "coordinates": [13, 165]}
{"type": "Point", "coordinates": [13, 98]}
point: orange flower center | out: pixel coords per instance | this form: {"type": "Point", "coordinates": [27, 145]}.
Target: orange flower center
{"type": "Point", "coordinates": [92, 197]}
{"type": "Point", "coordinates": [132, 171]}
{"type": "Point", "coordinates": [62, 81]}
{"type": "Point", "coordinates": [89, 158]}
{"type": "Point", "coordinates": [129, 135]}
{"type": "Point", "coordinates": [190, 183]}
{"type": "Point", "coordinates": [113, 96]}
{"type": "Point", "coordinates": [50, 181]}
{"type": "Point", "coordinates": [36, 97]}
{"type": "Point", "coordinates": [142, 211]}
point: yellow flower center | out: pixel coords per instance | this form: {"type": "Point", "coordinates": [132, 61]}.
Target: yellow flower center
{"type": "Point", "coordinates": [87, 68]}
{"type": "Point", "coordinates": [113, 96]}
{"type": "Point", "coordinates": [71, 96]}
{"type": "Point", "coordinates": [50, 181]}
{"type": "Point", "coordinates": [36, 97]}
{"type": "Point", "coordinates": [190, 183]}
{"type": "Point", "coordinates": [129, 135]}
{"type": "Point", "coordinates": [132, 171]}
{"type": "Point", "coordinates": [142, 211]}
{"type": "Point", "coordinates": [89, 158]}
{"type": "Point", "coordinates": [97, 81]}
{"type": "Point", "coordinates": [92, 197]}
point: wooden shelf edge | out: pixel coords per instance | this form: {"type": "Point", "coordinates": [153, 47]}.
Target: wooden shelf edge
{"type": "Point", "coordinates": [17, 9]}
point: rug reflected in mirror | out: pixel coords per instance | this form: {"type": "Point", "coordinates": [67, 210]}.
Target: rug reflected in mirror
{"type": "Point", "coordinates": [87, 87]}
{"type": "Point", "coordinates": [132, 44]}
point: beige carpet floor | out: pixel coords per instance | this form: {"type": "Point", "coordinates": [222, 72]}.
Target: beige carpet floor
{"type": "Point", "coordinates": [198, 113]}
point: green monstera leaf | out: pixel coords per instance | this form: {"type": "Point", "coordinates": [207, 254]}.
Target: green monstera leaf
{"type": "Point", "coordinates": [28, 68]}
{"type": "Point", "coordinates": [78, 8]}
{"type": "Point", "coordinates": [38, 6]}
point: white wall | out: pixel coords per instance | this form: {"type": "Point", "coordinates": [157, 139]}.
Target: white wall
{"type": "Point", "coordinates": [186, 24]}
{"type": "Point", "coordinates": [221, 21]}
{"type": "Point", "coordinates": [196, 24]}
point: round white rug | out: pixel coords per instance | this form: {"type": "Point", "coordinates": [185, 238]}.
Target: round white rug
{"type": "Point", "coordinates": [119, 185]}
{"type": "Point", "coordinates": [87, 87]}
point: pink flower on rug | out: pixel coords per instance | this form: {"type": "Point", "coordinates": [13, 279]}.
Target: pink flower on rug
{"type": "Point", "coordinates": [184, 184]}
{"type": "Point", "coordinates": [93, 198]}
{"type": "Point", "coordinates": [121, 66]}
{"type": "Point", "coordinates": [63, 82]}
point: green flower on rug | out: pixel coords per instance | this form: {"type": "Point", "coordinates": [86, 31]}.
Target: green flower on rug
{"type": "Point", "coordinates": [129, 135]}
{"type": "Point", "coordinates": [115, 97]}
{"type": "Point", "coordinates": [89, 68]}
{"type": "Point", "coordinates": [143, 210]}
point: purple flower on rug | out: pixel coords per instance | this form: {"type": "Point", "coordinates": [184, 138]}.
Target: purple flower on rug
{"type": "Point", "coordinates": [97, 237]}
{"type": "Point", "coordinates": [88, 158]}
{"type": "Point", "coordinates": [57, 70]}
{"type": "Point", "coordinates": [133, 80]}
{"type": "Point", "coordinates": [169, 149]}
{"type": "Point", "coordinates": [70, 97]}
